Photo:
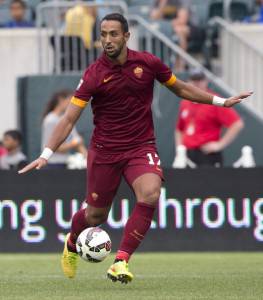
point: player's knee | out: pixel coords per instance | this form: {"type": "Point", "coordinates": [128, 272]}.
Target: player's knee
{"type": "Point", "coordinates": [96, 218]}
{"type": "Point", "coordinates": [150, 195]}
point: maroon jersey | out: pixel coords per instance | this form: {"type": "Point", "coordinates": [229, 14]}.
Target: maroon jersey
{"type": "Point", "coordinates": [121, 98]}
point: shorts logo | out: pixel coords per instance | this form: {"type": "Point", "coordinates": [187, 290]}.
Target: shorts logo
{"type": "Point", "coordinates": [138, 71]}
{"type": "Point", "coordinates": [94, 196]}
{"type": "Point", "coordinates": [107, 79]}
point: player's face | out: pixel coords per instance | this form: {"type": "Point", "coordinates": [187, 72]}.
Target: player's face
{"type": "Point", "coordinates": [113, 38]}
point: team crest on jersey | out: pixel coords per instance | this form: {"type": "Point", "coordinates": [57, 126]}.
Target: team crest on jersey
{"type": "Point", "coordinates": [138, 71]}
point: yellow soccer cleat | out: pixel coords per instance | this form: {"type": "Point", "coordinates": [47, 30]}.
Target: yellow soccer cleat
{"type": "Point", "coordinates": [69, 261]}
{"type": "Point", "coordinates": [120, 271]}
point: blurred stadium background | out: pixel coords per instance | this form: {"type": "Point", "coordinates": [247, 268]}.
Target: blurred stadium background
{"type": "Point", "coordinates": [199, 210]}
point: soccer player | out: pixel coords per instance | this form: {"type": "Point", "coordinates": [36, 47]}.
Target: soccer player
{"type": "Point", "coordinates": [119, 86]}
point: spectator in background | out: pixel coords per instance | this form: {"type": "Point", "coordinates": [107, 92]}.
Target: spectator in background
{"type": "Point", "coordinates": [13, 159]}
{"type": "Point", "coordinates": [3, 150]}
{"type": "Point", "coordinates": [79, 21]}
{"type": "Point", "coordinates": [258, 17]}
{"type": "Point", "coordinates": [18, 12]}
{"type": "Point", "coordinates": [104, 10]}
{"type": "Point", "coordinates": [164, 9]}
{"type": "Point", "coordinates": [183, 23]}
{"type": "Point", "coordinates": [199, 127]}
{"type": "Point", "coordinates": [52, 115]}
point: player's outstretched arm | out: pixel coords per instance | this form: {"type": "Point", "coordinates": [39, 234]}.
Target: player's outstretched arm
{"type": "Point", "coordinates": [188, 91]}
{"type": "Point", "coordinates": [60, 133]}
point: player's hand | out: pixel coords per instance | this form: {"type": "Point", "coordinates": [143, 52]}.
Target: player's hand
{"type": "Point", "coordinates": [36, 164]}
{"type": "Point", "coordinates": [211, 147]}
{"type": "Point", "coordinates": [237, 99]}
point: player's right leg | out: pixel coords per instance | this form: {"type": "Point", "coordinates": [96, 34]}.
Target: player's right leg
{"type": "Point", "coordinates": [103, 180]}
{"type": "Point", "coordinates": [69, 260]}
{"type": "Point", "coordinates": [84, 218]}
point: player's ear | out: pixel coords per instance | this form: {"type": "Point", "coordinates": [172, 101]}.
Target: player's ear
{"type": "Point", "coordinates": [127, 36]}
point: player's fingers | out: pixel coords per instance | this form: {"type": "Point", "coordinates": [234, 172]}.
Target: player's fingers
{"type": "Point", "coordinates": [28, 167]}
{"type": "Point", "coordinates": [237, 99]}
{"type": "Point", "coordinates": [243, 95]}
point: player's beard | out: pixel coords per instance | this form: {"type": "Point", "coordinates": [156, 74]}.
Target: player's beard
{"type": "Point", "coordinates": [116, 53]}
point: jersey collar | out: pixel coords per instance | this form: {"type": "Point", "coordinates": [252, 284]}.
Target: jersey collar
{"type": "Point", "coordinates": [110, 64]}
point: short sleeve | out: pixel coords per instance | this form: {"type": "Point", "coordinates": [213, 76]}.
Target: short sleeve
{"type": "Point", "coordinates": [227, 116]}
{"type": "Point", "coordinates": [162, 72]}
{"type": "Point", "coordinates": [85, 89]}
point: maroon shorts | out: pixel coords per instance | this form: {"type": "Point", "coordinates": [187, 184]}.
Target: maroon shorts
{"type": "Point", "coordinates": [105, 170]}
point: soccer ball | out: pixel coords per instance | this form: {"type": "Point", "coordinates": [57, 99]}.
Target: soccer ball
{"type": "Point", "coordinates": [93, 244]}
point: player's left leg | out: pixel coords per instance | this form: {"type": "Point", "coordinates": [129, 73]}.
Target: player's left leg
{"type": "Point", "coordinates": [84, 218]}
{"type": "Point", "coordinates": [147, 191]}
{"type": "Point", "coordinates": [144, 174]}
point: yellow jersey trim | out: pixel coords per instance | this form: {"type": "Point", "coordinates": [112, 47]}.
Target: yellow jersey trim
{"type": "Point", "coordinates": [171, 81]}
{"type": "Point", "coordinates": [78, 102]}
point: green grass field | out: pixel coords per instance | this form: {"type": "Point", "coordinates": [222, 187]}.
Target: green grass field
{"type": "Point", "coordinates": [180, 276]}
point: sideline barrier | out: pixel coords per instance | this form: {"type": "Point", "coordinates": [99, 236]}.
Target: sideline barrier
{"type": "Point", "coordinates": [199, 210]}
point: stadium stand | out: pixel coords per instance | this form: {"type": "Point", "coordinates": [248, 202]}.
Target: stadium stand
{"type": "Point", "coordinates": [160, 45]}
{"type": "Point", "coordinates": [238, 10]}
{"type": "Point", "coordinates": [73, 54]}
{"type": "Point", "coordinates": [139, 2]}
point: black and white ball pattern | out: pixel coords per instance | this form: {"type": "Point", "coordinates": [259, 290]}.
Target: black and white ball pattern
{"type": "Point", "coordinates": [93, 244]}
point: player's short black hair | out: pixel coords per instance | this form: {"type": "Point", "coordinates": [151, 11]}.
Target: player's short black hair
{"type": "Point", "coordinates": [14, 134]}
{"type": "Point", "coordinates": [21, 2]}
{"type": "Point", "coordinates": [117, 17]}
